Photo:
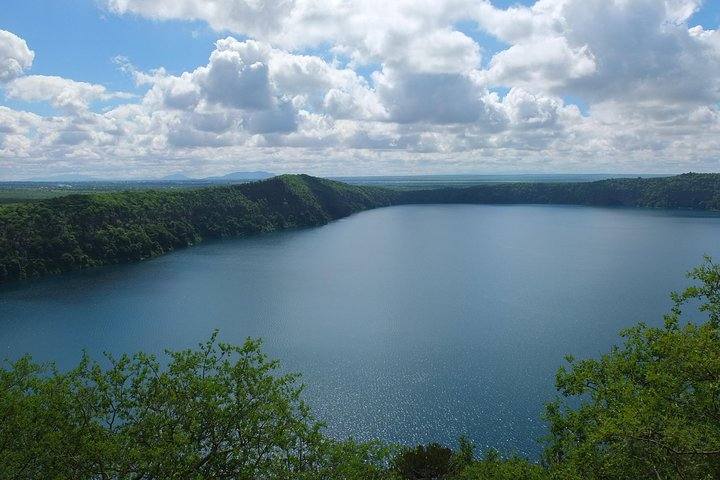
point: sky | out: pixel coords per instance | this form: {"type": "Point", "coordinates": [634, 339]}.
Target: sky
{"type": "Point", "coordinates": [147, 88]}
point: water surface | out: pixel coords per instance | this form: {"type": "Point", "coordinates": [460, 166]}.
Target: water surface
{"type": "Point", "coordinates": [411, 323]}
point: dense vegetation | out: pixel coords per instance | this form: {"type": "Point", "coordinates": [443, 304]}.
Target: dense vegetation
{"type": "Point", "coordinates": [691, 190]}
{"type": "Point", "coordinates": [648, 409]}
{"type": "Point", "coordinates": [651, 408]}
{"type": "Point", "coordinates": [80, 231]}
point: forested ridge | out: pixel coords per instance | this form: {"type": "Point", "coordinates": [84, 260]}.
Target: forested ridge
{"type": "Point", "coordinates": [690, 190]}
{"type": "Point", "coordinates": [81, 231]}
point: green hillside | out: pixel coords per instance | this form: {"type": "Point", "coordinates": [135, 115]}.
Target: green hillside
{"type": "Point", "coordinates": [80, 231]}
{"type": "Point", "coordinates": [690, 190]}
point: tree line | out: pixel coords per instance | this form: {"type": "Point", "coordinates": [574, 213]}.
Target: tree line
{"type": "Point", "coordinates": [689, 191]}
{"type": "Point", "coordinates": [80, 231]}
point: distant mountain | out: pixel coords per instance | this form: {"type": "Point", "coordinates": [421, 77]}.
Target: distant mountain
{"type": "Point", "coordinates": [260, 175]}
{"type": "Point", "coordinates": [66, 177]}
{"type": "Point", "coordinates": [175, 176]}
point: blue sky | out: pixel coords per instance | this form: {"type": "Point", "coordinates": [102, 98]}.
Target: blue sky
{"type": "Point", "coordinates": [75, 39]}
{"type": "Point", "coordinates": [131, 88]}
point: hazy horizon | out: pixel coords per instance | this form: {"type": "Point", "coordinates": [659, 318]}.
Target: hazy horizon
{"type": "Point", "coordinates": [76, 178]}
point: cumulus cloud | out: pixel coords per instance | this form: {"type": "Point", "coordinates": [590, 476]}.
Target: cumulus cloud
{"type": "Point", "coordinates": [431, 98]}
{"type": "Point", "coordinates": [594, 49]}
{"type": "Point", "coordinates": [15, 56]}
{"type": "Point", "coordinates": [327, 85]}
{"type": "Point", "coordinates": [184, 135]}
{"type": "Point", "coordinates": [544, 63]}
{"type": "Point", "coordinates": [247, 16]}
{"type": "Point", "coordinates": [418, 33]}
{"type": "Point", "coordinates": [679, 11]}
{"type": "Point", "coordinates": [639, 53]}
{"type": "Point", "coordinates": [315, 85]}
{"type": "Point", "coordinates": [437, 51]}
{"type": "Point", "coordinates": [180, 93]}
{"type": "Point", "coordinates": [280, 119]}
{"type": "Point", "coordinates": [254, 89]}
{"type": "Point", "coordinates": [237, 75]}
{"type": "Point", "coordinates": [62, 93]}
{"type": "Point", "coordinates": [236, 79]}
{"type": "Point", "coordinates": [16, 131]}
{"type": "Point", "coordinates": [72, 137]}
{"type": "Point", "coordinates": [528, 110]}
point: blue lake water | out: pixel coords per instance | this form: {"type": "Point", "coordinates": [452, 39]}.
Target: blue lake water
{"type": "Point", "coordinates": [411, 323]}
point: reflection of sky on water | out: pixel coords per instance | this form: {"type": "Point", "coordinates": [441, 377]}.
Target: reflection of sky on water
{"type": "Point", "coordinates": [411, 323]}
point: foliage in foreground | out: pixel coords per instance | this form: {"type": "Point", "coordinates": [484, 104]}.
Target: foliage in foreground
{"type": "Point", "coordinates": [648, 409]}
{"type": "Point", "coordinates": [217, 412]}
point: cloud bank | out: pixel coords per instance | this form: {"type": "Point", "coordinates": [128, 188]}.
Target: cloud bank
{"type": "Point", "coordinates": [369, 87]}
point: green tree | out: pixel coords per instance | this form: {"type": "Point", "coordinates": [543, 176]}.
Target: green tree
{"type": "Point", "coordinates": [425, 463]}
{"type": "Point", "coordinates": [651, 408]}
{"type": "Point", "coordinates": [350, 460]}
{"type": "Point", "coordinates": [494, 467]}
{"type": "Point", "coordinates": [648, 409]}
{"type": "Point", "coordinates": [215, 412]}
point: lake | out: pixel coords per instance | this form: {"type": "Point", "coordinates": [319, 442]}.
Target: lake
{"type": "Point", "coordinates": [408, 323]}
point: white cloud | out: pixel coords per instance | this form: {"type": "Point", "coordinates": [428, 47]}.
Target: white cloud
{"type": "Point", "coordinates": [250, 16]}
{"type": "Point", "coordinates": [237, 75]}
{"type": "Point", "coordinates": [316, 85]}
{"type": "Point", "coordinates": [440, 50]}
{"type": "Point", "coordinates": [417, 33]}
{"type": "Point", "coordinates": [338, 86]}
{"type": "Point", "coordinates": [635, 52]}
{"type": "Point", "coordinates": [430, 98]}
{"type": "Point", "coordinates": [68, 95]}
{"type": "Point", "coordinates": [253, 89]}
{"type": "Point", "coordinates": [711, 38]}
{"type": "Point", "coordinates": [519, 24]}
{"type": "Point", "coordinates": [281, 119]}
{"type": "Point", "coordinates": [529, 110]}
{"type": "Point", "coordinates": [172, 92]}
{"type": "Point", "coordinates": [16, 132]}
{"type": "Point", "coordinates": [594, 49]}
{"type": "Point", "coordinates": [544, 63]}
{"type": "Point", "coordinates": [679, 11]}
{"type": "Point", "coordinates": [15, 56]}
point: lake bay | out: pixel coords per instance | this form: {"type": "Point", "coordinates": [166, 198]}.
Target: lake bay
{"type": "Point", "coordinates": [409, 323]}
